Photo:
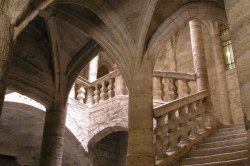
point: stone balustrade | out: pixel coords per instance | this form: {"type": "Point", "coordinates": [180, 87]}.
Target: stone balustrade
{"type": "Point", "coordinates": [102, 89]}
{"type": "Point", "coordinates": [179, 124]}
{"type": "Point", "coordinates": [112, 84]}
{"type": "Point", "coordinates": [168, 86]}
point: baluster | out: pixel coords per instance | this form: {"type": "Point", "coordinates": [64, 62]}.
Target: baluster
{"type": "Point", "coordinates": [184, 127]}
{"type": "Point", "coordinates": [96, 94]}
{"type": "Point", "coordinates": [157, 87]}
{"type": "Point", "coordinates": [103, 94]}
{"type": "Point", "coordinates": [172, 89]}
{"type": "Point", "coordinates": [192, 119]}
{"type": "Point", "coordinates": [161, 132]}
{"type": "Point", "coordinates": [111, 92]}
{"type": "Point", "coordinates": [81, 94]}
{"type": "Point", "coordinates": [173, 131]}
{"type": "Point", "coordinates": [185, 88]}
{"type": "Point", "coordinates": [200, 116]}
{"type": "Point", "coordinates": [165, 83]}
{"type": "Point", "coordinates": [90, 96]}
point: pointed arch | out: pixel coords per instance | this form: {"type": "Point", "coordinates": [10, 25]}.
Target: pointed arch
{"type": "Point", "coordinates": [198, 10]}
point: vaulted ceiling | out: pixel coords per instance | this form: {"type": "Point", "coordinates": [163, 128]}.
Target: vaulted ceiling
{"type": "Point", "coordinates": [79, 28]}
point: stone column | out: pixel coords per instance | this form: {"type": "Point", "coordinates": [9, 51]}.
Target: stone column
{"type": "Point", "coordinates": [93, 68]}
{"type": "Point", "coordinates": [6, 40]}
{"type": "Point", "coordinates": [53, 134]}
{"type": "Point", "coordinates": [157, 88]}
{"type": "Point", "coordinates": [220, 74]}
{"type": "Point", "coordinates": [72, 92]}
{"type": "Point", "coordinates": [200, 67]}
{"type": "Point", "coordinates": [120, 86]}
{"type": "Point", "coordinates": [238, 14]}
{"type": "Point", "coordinates": [171, 50]}
{"type": "Point", "coordinates": [199, 60]}
{"type": "Point", "coordinates": [140, 119]}
{"type": "Point", "coordinates": [54, 125]}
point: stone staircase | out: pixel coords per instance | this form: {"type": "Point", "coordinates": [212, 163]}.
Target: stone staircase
{"type": "Point", "coordinates": [227, 146]}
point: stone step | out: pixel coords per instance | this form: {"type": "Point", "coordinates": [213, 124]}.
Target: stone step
{"type": "Point", "coordinates": [223, 143]}
{"type": "Point", "coordinates": [215, 158]}
{"type": "Point", "coordinates": [217, 150]}
{"type": "Point", "coordinates": [232, 128]}
{"type": "Point", "coordinates": [221, 138]}
{"type": "Point", "coordinates": [237, 162]}
{"type": "Point", "coordinates": [226, 133]}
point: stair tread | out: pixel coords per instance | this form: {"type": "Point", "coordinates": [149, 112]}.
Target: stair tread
{"type": "Point", "coordinates": [224, 138]}
{"type": "Point", "coordinates": [229, 132]}
{"type": "Point", "coordinates": [217, 154]}
{"type": "Point", "coordinates": [215, 158]}
{"type": "Point", "coordinates": [242, 138]}
{"type": "Point", "coordinates": [231, 128]}
{"type": "Point", "coordinates": [234, 134]}
{"type": "Point", "coordinates": [218, 150]}
{"type": "Point", "coordinates": [225, 147]}
{"type": "Point", "coordinates": [220, 163]}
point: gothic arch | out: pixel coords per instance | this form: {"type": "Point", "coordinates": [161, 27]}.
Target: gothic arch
{"type": "Point", "coordinates": [105, 132]}
{"type": "Point", "coordinates": [195, 10]}
{"type": "Point", "coordinates": [112, 21]}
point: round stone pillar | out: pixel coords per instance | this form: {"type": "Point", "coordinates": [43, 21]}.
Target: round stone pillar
{"type": "Point", "coordinates": [53, 134]}
{"type": "Point", "coordinates": [6, 40]}
{"type": "Point", "coordinates": [224, 106]}
{"type": "Point", "coordinates": [199, 60]}
{"type": "Point", "coordinates": [140, 119]}
{"type": "Point", "coordinates": [238, 15]}
{"type": "Point", "coordinates": [120, 87]}
{"type": "Point", "coordinates": [93, 69]}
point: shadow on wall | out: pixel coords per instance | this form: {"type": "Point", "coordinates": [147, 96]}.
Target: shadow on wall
{"type": "Point", "coordinates": [111, 150]}
{"type": "Point", "coordinates": [21, 129]}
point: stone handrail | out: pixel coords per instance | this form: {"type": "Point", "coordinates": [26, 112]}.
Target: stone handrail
{"type": "Point", "coordinates": [176, 75]}
{"type": "Point", "coordinates": [112, 74]}
{"type": "Point", "coordinates": [112, 84]}
{"type": "Point", "coordinates": [168, 86]}
{"type": "Point", "coordinates": [83, 82]}
{"type": "Point", "coordinates": [179, 125]}
{"type": "Point", "coordinates": [175, 104]}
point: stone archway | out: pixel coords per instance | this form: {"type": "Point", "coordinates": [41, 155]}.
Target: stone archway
{"type": "Point", "coordinates": [110, 150]}
{"type": "Point", "coordinates": [21, 133]}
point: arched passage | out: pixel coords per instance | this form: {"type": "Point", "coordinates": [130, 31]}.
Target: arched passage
{"type": "Point", "coordinates": [110, 150]}
{"type": "Point", "coordinates": [21, 136]}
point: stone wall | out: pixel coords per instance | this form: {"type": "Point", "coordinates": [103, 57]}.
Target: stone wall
{"type": "Point", "coordinates": [111, 113]}
{"type": "Point", "coordinates": [184, 63]}
{"type": "Point", "coordinates": [234, 93]}
{"type": "Point", "coordinates": [21, 130]}
{"type": "Point", "coordinates": [77, 121]}
{"type": "Point", "coordinates": [111, 150]}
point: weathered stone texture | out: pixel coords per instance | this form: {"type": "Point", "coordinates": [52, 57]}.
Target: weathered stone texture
{"type": "Point", "coordinates": [111, 113]}
{"type": "Point", "coordinates": [21, 131]}
{"type": "Point", "coordinates": [184, 62]}
{"type": "Point", "coordinates": [77, 120]}
{"type": "Point", "coordinates": [234, 96]}
{"type": "Point", "coordinates": [111, 150]}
